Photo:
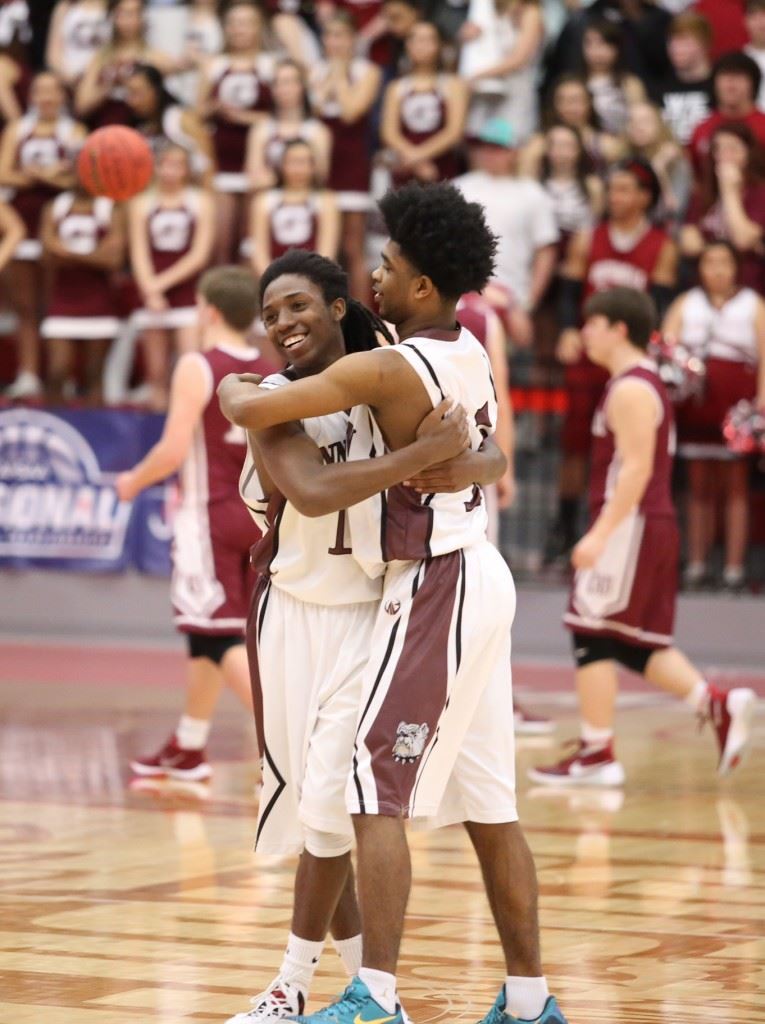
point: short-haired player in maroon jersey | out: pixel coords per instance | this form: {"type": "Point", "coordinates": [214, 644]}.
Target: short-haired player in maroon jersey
{"type": "Point", "coordinates": [622, 605]}
{"type": "Point", "coordinates": [213, 531]}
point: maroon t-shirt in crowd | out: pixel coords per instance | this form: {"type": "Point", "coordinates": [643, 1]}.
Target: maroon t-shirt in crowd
{"type": "Point", "coordinates": [712, 226]}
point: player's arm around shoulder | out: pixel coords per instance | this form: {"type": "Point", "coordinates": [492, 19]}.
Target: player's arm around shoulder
{"type": "Point", "coordinates": [190, 391]}
{"type": "Point", "coordinates": [363, 378]}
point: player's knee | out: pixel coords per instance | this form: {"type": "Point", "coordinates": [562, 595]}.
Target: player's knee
{"type": "Point", "coordinates": [326, 844]}
{"type": "Point", "coordinates": [214, 648]}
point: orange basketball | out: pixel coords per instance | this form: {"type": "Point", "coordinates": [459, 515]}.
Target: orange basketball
{"type": "Point", "coordinates": [115, 162]}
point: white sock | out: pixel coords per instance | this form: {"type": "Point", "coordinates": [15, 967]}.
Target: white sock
{"type": "Point", "coordinates": [526, 997]}
{"type": "Point", "coordinates": [733, 574]}
{"type": "Point", "coordinates": [694, 571]}
{"type": "Point", "coordinates": [595, 737]}
{"type": "Point", "coordinates": [349, 951]}
{"type": "Point", "coordinates": [698, 696]}
{"type": "Point", "coordinates": [301, 959]}
{"type": "Point", "coordinates": [382, 987]}
{"type": "Point", "coordinates": [192, 733]}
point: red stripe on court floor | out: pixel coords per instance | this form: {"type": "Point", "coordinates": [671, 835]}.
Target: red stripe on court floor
{"type": "Point", "coordinates": [69, 665]}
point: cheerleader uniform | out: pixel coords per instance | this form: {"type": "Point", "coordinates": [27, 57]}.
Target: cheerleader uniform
{"type": "Point", "coordinates": [422, 114]}
{"type": "Point", "coordinates": [350, 166]}
{"type": "Point", "coordinates": [276, 142]}
{"type": "Point", "coordinates": [292, 225]}
{"type": "Point", "coordinates": [171, 235]}
{"type": "Point", "coordinates": [36, 150]}
{"type": "Point", "coordinates": [84, 30]}
{"type": "Point", "coordinates": [246, 89]}
{"type": "Point", "coordinates": [725, 339]}
{"type": "Point", "coordinates": [171, 131]}
{"type": "Point", "coordinates": [81, 305]}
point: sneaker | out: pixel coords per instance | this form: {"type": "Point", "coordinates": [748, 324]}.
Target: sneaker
{"type": "Point", "coordinates": [26, 385]}
{"type": "Point", "coordinates": [279, 1002]}
{"type": "Point", "coordinates": [355, 1006]}
{"type": "Point", "coordinates": [587, 766]}
{"type": "Point", "coordinates": [175, 762]}
{"type": "Point", "coordinates": [526, 724]}
{"type": "Point", "coordinates": [731, 716]}
{"type": "Point", "coordinates": [498, 1014]}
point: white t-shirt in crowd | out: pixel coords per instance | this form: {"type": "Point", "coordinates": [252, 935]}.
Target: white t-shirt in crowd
{"type": "Point", "coordinates": [521, 214]}
{"type": "Point", "coordinates": [759, 56]}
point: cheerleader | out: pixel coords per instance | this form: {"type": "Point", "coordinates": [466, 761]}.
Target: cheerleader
{"type": "Point", "coordinates": [344, 89]}
{"type": "Point", "coordinates": [235, 93]}
{"type": "Point", "coordinates": [36, 163]}
{"type": "Point", "coordinates": [170, 236]}
{"type": "Point", "coordinates": [297, 215]}
{"type": "Point", "coordinates": [100, 96]}
{"type": "Point", "coordinates": [83, 238]}
{"type": "Point", "coordinates": [723, 323]}
{"type": "Point", "coordinates": [290, 120]}
{"type": "Point", "coordinates": [423, 119]}
{"type": "Point", "coordinates": [78, 30]}
{"type": "Point", "coordinates": [15, 67]}
{"type": "Point", "coordinates": [162, 120]}
{"type": "Point", "coordinates": [571, 104]}
{"type": "Point", "coordinates": [613, 90]}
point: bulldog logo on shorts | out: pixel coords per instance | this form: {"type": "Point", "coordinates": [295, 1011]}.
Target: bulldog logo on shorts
{"type": "Point", "coordinates": [392, 607]}
{"type": "Point", "coordinates": [410, 742]}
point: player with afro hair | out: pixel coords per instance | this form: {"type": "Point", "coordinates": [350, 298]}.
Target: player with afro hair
{"type": "Point", "coordinates": [442, 236]}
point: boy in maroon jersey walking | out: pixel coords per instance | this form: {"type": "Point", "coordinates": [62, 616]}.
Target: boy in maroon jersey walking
{"type": "Point", "coordinates": [213, 531]}
{"type": "Point", "coordinates": [622, 605]}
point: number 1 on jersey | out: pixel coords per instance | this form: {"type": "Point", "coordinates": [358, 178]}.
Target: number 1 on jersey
{"type": "Point", "coordinates": [339, 546]}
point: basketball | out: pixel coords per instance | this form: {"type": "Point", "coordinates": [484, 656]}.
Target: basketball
{"type": "Point", "coordinates": [115, 162]}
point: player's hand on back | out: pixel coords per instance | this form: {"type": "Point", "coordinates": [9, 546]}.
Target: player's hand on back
{"type": "Point", "coordinates": [444, 431]}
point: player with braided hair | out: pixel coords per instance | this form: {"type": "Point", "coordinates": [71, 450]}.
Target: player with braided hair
{"type": "Point", "coordinates": [432, 740]}
{"type": "Point", "coordinates": [310, 625]}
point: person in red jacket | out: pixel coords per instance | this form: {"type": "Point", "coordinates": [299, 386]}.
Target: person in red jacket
{"type": "Point", "coordinates": [735, 83]}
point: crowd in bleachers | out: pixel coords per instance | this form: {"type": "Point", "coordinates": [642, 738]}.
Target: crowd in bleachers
{"type": "Point", "coordinates": [612, 142]}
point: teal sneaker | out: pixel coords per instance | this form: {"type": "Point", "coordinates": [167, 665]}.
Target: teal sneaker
{"type": "Point", "coordinates": [356, 1006]}
{"type": "Point", "coordinates": [498, 1015]}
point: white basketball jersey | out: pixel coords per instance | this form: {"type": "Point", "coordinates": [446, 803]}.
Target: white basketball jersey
{"type": "Point", "coordinates": [400, 523]}
{"type": "Point", "coordinates": [308, 558]}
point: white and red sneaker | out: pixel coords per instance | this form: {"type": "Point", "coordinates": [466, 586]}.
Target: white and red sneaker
{"type": "Point", "coordinates": [279, 1002]}
{"type": "Point", "coordinates": [527, 724]}
{"type": "Point", "coordinates": [174, 762]}
{"type": "Point", "coordinates": [587, 766]}
{"type": "Point", "coordinates": [731, 716]}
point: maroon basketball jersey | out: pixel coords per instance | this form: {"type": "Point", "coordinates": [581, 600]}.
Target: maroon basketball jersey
{"type": "Point", "coordinates": [657, 498]}
{"type": "Point", "coordinates": [211, 472]}
{"type": "Point", "coordinates": [612, 267]}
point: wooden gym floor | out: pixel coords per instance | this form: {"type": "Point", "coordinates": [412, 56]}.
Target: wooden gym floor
{"type": "Point", "coordinates": [124, 903]}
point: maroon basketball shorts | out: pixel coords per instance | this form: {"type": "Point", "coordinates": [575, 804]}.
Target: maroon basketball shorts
{"type": "Point", "coordinates": [212, 580]}
{"type": "Point", "coordinates": [630, 593]}
{"type": "Point", "coordinates": [435, 733]}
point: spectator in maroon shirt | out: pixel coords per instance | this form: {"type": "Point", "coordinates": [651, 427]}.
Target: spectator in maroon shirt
{"type": "Point", "coordinates": [736, 83]}
{"type": "Point", "coordinates": [729, 204]}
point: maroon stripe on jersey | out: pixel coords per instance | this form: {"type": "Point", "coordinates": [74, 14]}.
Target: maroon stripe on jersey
{"type": "Point", "coordinates": [417, 692]}
{"type": "Point", "coordinates": [264, 552]}
{"type": "Point", "coordinates": [252, 636]}
{"type": "Point", "coordinates": [408, 525]}
{"type": "Point", "coordinates": [457, 662]}
{"type": "Point", "coordinates": [430, 369]}
{"type": "Point", "coordinates": [436, 334]}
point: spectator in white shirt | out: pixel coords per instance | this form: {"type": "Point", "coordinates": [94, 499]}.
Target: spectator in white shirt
{"type": "Point", "coordinates": [518, 210]}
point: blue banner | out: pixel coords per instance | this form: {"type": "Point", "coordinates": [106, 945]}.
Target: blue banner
{"type": "Point", "coordinates": [58, 505]}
